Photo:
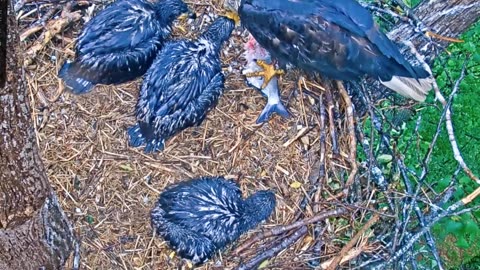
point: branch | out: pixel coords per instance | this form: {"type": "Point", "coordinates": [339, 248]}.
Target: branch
{"type": "Point", "coordinates": [282, 229]}
{"type": "Point", "coordinates": [252, 264]}
{"type": "Point", "coordinates": [413, 239]}
{"type": "Point", "coordinates": [352, 242]}
{"type": "Point", "coordinates": [352, 156]}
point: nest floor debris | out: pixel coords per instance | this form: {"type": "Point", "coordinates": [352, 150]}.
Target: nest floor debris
{"type": "Point", "coordinates": [107, 188]}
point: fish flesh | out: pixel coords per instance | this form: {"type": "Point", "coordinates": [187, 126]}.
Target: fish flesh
{"type": "Point", "coordinates": [253, 52]}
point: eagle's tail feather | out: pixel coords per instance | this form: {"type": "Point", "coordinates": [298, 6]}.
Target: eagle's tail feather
{"type": "Point", "coordinates": [135, 136]}
{"type": "Point", "coordinates": [413, 88]}
{"type": "Point", "coordinates": [70, 74]}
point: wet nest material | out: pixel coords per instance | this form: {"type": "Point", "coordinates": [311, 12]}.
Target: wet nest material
{"type": "Point", "coordinates": [107, 188]}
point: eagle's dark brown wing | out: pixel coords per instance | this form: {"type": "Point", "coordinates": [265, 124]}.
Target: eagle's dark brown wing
{"type": "Point", "coordinates": [335, 38]}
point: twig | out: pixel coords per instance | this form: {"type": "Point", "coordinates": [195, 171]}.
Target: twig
{"type": "Point", "coordinates": [331, 121]}
{"type": "Point", "coordinates": [352, 156]}
{"type": "Point", "coordinates": [321, 173]}
{"type": "Point", "coordinates": [282, 229]}
{"type": "Point", "coordinates": [448, 123]}
{"type": "Point", "coordinates": [40, 24]}
{"type": "Point", "coordinates": [252, 264]}
{"type": "Point", "coordinates": [76, 255]}
{"type": "Point", "coordinates": [413, 239]}
{"type": "Point", "coordinates": [352, 242]}
{"type": "Point", "coordinates": [419, 213]}
{"type": "Point", "coordinates": [52, 29]}
{"type": "Point", "coordinates": [448, 114]}
{"type": "Point", "coordinates": [373, 168]}
{"type": "Point", "coordinates": [351, 254]}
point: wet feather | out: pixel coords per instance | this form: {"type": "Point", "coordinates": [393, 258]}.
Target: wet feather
{"type": "Point", "coordinates": [202, 216]}
{"type": "Point", "coordinates": [120, 43]}
{"type": "Point", "coordinates": [182, 85]}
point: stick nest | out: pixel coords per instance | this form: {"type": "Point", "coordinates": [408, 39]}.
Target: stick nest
{"type": "Point", "coordinates": [107, 188]}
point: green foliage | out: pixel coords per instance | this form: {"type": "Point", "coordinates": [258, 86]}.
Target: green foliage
{"type": "Point", "coordinates": [466, 110]}
{"type": "Point", "coordinates": [412, 3]}
{"type": "Point", "coordinates": [458, 238]}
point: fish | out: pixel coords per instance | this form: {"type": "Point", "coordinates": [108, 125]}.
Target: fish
{"type": "Point", "coordinates": [253, 52]}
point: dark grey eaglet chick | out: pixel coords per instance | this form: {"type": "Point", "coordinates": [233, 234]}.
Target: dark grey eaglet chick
{"type": "Point", "coordinates": [120, 43]}
{"type": "Point", "coordinates": [201, 216]}
{"type": "Point", "coordinates": [184, 82]}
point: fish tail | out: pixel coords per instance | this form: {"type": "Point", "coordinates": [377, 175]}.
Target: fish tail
{"type": "Point", "coordinates": [270, 109]}
{"type": "Point", "coordinates": [70, 73]}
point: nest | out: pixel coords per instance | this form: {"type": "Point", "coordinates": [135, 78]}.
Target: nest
{"type": "Point", "coordinates": [107, 188]}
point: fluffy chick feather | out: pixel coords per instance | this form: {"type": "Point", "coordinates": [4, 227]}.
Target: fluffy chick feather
{"type": "Point", "coordinates": [182, 85]}
{"type": "Point", "coordinates": [120, 43]}
{"type": "Point", "coordinates": [201, 216]}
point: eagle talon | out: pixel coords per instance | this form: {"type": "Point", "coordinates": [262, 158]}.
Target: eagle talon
{"type": "Point", "coordinates": [268, 72]}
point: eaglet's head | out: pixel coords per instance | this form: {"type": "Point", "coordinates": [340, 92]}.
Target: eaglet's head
{"type": "Point", "coordinates": [175, 9]}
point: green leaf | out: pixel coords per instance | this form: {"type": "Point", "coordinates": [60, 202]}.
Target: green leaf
{"type": "Point", "coordinates": [471, 227]}
{"type": "Point", "coordinates": [384, 158]}
{"type": "Point", "coordinates": [462, 242]}
{"type": "Point", "coordinates": [264, 264]}
{"type": "Point", "coordinates": [89, 219]}
{"type": "Point", "coordinates": [126, 167]}
{"type": "Point", "coordinates": [443, 183]}
{"type": "Point", "coordinates": [452, 226]}
{"type": "Point", "coordinates": [295, 185]}
{"type": "Point", "coordinates": [464, 180]}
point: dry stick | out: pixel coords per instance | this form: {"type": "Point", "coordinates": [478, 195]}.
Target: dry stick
{"type": "Point", "coordinates": [352, 156]}
{"type": "Point", "coordinates": [331, 112]}
{"type": "Point", "coordinates": [352, 242]}
{"type": "Point", "coordinates": [449, 125]}
{"type": "Point", "coordinates": [448, 114]}
{"type": "Point", "coordinates": [254, 262]}
{"type": "Point", "coordinates": [76, 255]}
{"type": "Point", "coordinates": [449, 211]}
{"type": "Point", "coordinates": [322, 173]}
{"type": "Point", "coordinates": [277, 230]}
{"type": "Point", "coordinates": [53, 28]}
{"type": "Point", "coordinates": [414, 205]}
{"type": "Point", "coordinates": [40, 24]}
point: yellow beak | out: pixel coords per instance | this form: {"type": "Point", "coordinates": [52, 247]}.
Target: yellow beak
{"type": "Point", "coordinates": [187, 15]}
{"type": "Point", "coordinates": [233, 16]}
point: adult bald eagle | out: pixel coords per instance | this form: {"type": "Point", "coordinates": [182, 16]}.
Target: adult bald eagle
{"type": "Point", "coordinates": [336, 38]}
{"type": "Point", "coordinates": [120, 43]}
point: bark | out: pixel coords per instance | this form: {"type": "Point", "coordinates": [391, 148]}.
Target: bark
{"type": "Point", "coordinates": [34, 231]}
{"type": "Point", "coordinates": [449, 18]}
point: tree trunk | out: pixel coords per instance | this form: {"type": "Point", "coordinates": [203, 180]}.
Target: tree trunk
{"type": "Point", "coordinates": [449, 18]}
{"type": "Point", "coordinates": [34, 231]}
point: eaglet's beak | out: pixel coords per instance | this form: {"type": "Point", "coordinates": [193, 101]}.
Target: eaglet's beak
{"type": "Point", "coordinates": [232, 16]}
{"type": "Point", "coordinates": [187, 15]}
